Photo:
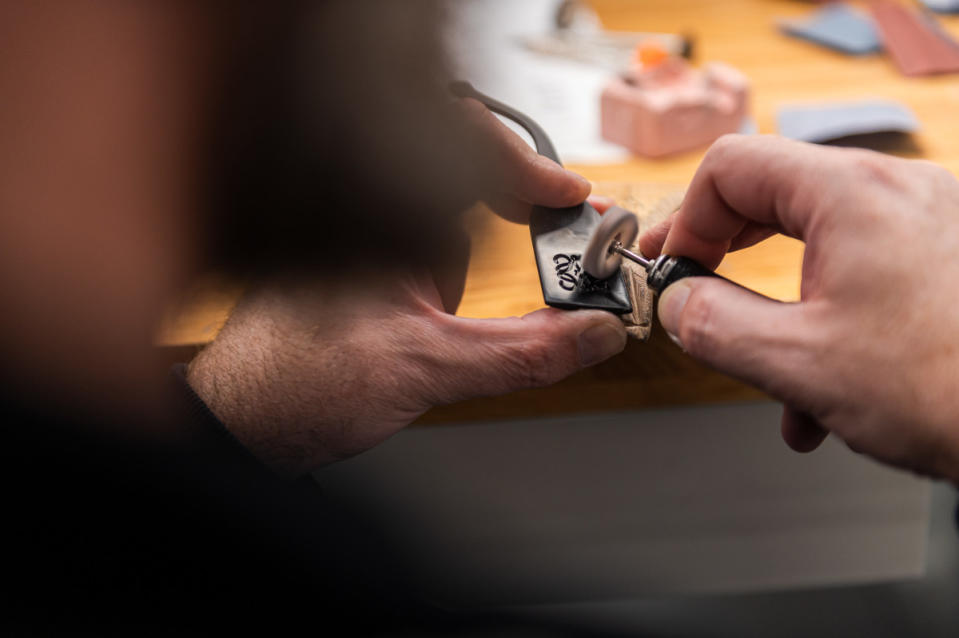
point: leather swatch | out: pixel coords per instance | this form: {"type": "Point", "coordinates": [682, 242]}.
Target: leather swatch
{"type": "Point", "coordinates": [652, 204]}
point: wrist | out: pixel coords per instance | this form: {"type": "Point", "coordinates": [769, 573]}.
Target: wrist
{"type": "Point", "coordinates": [232, 377]}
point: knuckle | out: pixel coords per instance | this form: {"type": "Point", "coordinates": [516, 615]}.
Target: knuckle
{"type": "Point", "coordinates": [877, 169]}
{"type": "Point", "coordinates": [532, 366]}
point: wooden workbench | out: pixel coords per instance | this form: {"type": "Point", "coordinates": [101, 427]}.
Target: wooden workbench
{"type": "Point", "coordinates": [502, 279]}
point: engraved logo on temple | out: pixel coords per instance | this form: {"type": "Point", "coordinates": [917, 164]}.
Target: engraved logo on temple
{"type": "Point", "coordinates": [572, 277]}
{"type": "Point", "coordinates": [568, 269]}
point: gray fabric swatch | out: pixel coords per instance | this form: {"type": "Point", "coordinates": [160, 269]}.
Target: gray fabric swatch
{"type": "Point", "coordinates": [838, 27]}
{"type": "Point", "coordinates": [825, 122]}
{"type": "Point", "coordinates": [942, 6]}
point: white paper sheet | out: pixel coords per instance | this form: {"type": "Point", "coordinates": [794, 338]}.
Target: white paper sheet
{"type": "Point", "coordinates": [562, 95]}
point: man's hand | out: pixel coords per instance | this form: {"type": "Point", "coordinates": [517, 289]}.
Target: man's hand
{"type": "Point", "coordinates": [871, 352]}
{"type": "Point", "coordinates": [309, 373]}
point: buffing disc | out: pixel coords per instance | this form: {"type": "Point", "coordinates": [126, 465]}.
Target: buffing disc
{"type": "Point", "coordinates": [618, 225]}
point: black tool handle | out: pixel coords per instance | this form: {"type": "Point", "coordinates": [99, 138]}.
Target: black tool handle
{"type": "Point", "coordinates": [668, 270]}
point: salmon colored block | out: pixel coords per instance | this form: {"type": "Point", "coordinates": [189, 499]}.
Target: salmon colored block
{"type": "Point", "coordinates": [915, 42]}
{"type": "Point", "coordinates": [671, 107]}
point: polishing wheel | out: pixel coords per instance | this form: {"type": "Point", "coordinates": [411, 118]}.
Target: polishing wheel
{"type": "Point", "coordinates": [618, 226]}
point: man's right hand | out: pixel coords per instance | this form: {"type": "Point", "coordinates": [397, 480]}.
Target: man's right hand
{"type": "Point", "coordinates": [871, 352]}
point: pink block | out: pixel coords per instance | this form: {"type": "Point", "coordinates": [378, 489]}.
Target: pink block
{"type": "Point", "coordinates": [672, 107]}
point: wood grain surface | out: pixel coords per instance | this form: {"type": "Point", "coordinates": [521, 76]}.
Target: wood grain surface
{"type": "Point", "coordinates": [502, 279]}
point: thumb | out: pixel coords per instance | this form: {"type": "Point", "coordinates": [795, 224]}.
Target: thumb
{"type": "Point", "coordinates": [487, 357]}
{"type": "Point", "coordinates": [763, 342]}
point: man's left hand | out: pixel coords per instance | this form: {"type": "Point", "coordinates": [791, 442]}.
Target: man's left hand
{"type": "Point", "coordinates": [304, 375]}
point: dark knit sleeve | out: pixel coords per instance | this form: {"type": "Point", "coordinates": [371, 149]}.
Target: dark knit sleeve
{"type": "Point", "coordinates": [203, 426]}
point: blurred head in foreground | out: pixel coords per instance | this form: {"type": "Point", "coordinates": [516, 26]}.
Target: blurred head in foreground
{"type": "Point", "coordinates": [144, 142]}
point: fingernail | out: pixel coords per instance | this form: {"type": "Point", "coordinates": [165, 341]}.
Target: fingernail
{"type": "Point", "coordinates": [600, 342]}
{"type": "Point", "coordinates": [584, 184]}
{"type": "Point", "coordinates": [671, 304]}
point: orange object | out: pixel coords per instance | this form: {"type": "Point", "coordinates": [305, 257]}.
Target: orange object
{"type": "Point", "coordinates": [650, 54]}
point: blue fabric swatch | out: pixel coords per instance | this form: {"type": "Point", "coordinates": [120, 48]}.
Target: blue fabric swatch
{"type": "Point", "coordinates": [838, 27]}
{"type": "Point", "coordinates": [825, 122]}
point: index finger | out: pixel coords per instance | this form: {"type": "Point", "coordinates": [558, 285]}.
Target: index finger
{"type": "Point", "coordinates": [520, 171]}
{"type": "Point", "coordinates": [745, 180]}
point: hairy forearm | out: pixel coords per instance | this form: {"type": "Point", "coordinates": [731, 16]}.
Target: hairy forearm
{"type": "Point", "coordinates": [237, 376]}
